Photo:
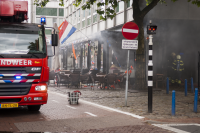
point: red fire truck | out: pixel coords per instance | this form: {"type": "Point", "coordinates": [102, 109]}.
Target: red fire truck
{"type": "Point", "coordinates": [24, 69]}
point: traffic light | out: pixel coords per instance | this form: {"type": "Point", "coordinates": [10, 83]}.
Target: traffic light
{"type": "Point", "coordinates": [151, 29]}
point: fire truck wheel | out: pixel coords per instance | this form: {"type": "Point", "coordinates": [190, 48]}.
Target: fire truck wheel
{"type": "Point", "coordinates": [34, 107]}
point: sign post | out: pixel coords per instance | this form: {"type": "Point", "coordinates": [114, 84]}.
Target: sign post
{"type": "Point", "coordinates": [126, 92]}
{"type": "Point", "coordinates": [130, 31]}
{"type": "Point", "coordinates": [128, 44]}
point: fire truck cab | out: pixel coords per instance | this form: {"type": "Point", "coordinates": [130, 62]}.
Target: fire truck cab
{"type": "Point", "coordinates": [24, 70]}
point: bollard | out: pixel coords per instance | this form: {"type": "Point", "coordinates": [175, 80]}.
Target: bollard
{"type": "Point", "coordinates": [195, 100]}
{"type": "Point", "coordinates": [192, 86]}
{"type": "Point", "coordinates": [173, 102]}
{"type": "Point", "coordinates": [185, 87]}
{"type": "Point", "coordinates": [167, 89]}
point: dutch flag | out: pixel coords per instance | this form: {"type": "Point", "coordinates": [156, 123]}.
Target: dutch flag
{"type": "Point", "coordinates": [66, 31]}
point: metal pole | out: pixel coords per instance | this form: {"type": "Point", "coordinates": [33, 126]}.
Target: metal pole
{"type": "Point", "coordinates": [173, 102]}
{"type": "Point", "coordinates": [167, 91]}
{"type": "Point", "coordinates": [126, 91]}
{"type": "Point", "coordinates": [54, 50]}
{"type": "Point", "coordinates": [150, 74]}
{"type": "Point", "coordinates": [198, 70]}
{"type": "Point", "coordinates": [195, 100]}
{"type": "Point", "coordinates": [192, 86]}
{"type": "Point", "coordinates": [185, 87]}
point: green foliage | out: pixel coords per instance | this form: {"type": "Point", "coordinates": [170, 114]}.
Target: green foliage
{"type": "Point", "coordinates": [148, 2]}
{"type": "Point", "coordinates": [61, 3]}
{"type": "Point", "coordinates": [41, 3]}
{"type": "Point", "coordinates": [109, 12]}
{"type": "Point", "coordinates": [196, 2]}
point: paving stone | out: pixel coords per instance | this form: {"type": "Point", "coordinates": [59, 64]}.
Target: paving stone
{"type": "Point", "coordinates": [138, 102]}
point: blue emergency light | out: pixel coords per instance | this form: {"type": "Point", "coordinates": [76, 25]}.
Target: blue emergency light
{"type": "Point", "coordinates": [18, 77]}
{"type": "Point", "coordinates": [43, 20]}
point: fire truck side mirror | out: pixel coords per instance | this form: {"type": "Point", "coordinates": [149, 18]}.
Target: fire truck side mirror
{"type": "Point", "coordinates": [54, 39]}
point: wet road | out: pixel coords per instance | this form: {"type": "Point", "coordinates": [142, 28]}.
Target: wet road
{"type": "Point", "coordinates": [59, 116]}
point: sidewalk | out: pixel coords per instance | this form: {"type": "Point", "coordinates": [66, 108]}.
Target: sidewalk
{"type": "Point", "coordinates": [138, 103]}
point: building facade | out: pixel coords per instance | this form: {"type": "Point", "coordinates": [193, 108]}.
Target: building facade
{"type": "Point", "coordinates": [98, 43]}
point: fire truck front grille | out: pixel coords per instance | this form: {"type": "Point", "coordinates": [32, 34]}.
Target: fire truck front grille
{"type": "Point", "coordinates": [15, 100]}
{"type": "Point", "coordinates": [24, 74]}
{"type": "Point", "coordinates": [12, 69]}
{"type": "Point", "coordinates": [14, 89]}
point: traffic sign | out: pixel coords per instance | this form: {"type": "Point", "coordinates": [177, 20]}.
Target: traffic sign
{"type": "Point", "coordinates": [130, 30]}
{"type": "Point", "coordinates": [130, 44]}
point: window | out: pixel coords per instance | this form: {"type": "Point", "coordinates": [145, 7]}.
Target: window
{"type": "Point", "coordinates": [78, 25]}
{"type": "Point", "coordinates": [38, 20]}
{"type": "Point", "coordinates": [70, 19]}
{"type": "Point", "coordinates": [67, 3]}
{"type": "Point", "coordinates": [74, 18]}
{"type": "Point", "coordinates": [88, 21]}
{"type": "Point", "coordinates": [49, 22]}
{"type": "Point", "coordinates": [54, 20]}
{"type": "Point", "coordinates": [120, 6]}
{"type": "Point", "coordinates": [129, 3]}
{"type": "Point", "coordinates": [89, 12]}
{"type": "Point", "coordinates": [60, 21]}
{"type": "Point", "coordinates": [78, 14]}
{"type": "Point", "coordinates": [46, 11]}
{"type": "Point", "coordinates": [61, 12]}
{"type": "Point", "coordinates": [94, 18]}
{"type": "Point", "coordinates": [23, 42]}
{"type": "Point", "coordinates": [83, 13]}
{"type": "Point", "coordinates": [73, 6]}
{"type": "Point", "coordinates": [95, 8]}
{"type": "Point", "coordinates": [83, 23]}
{"type": "Point", "coordinates": [103, 8]}
{"type": "Point", "coordinates": [66, 12]}
{"type": "Point", "coordinates": [70, 8]}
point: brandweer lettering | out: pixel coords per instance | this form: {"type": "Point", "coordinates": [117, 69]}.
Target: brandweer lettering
{"type": "Point", "coordinates": [16, 62]}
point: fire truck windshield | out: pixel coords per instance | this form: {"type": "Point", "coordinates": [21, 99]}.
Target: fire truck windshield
{"type": "Point", "coordinates": [18, 42]}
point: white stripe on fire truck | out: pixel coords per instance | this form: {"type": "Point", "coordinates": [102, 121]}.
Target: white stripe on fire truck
{"type": "Point", "coordinates": [29, 74]}
{"type": "Point", "coordinates": [37, 74]}
{"type": "Point", "coordinates": [19, 81]}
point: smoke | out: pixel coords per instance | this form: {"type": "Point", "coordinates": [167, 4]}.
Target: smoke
{"type": "Point", "coordinates": [119, 56]}
{"type": "Point", "coordinates": [178, 33]}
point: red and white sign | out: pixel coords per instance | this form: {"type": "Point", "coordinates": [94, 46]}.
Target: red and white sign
{"type": "Point", "coordinates": [130, 30]}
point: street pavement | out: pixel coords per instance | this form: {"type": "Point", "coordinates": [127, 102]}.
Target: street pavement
{"type": "Point", "coordinates": [59, 116]}
{"type": "Point", "coordinates": [138, 104]}
{"type": "Point", "coordinates": [102, 111]}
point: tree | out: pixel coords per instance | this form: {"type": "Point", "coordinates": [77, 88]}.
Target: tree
{"type": "Point", "coordinates": [138, 16]}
